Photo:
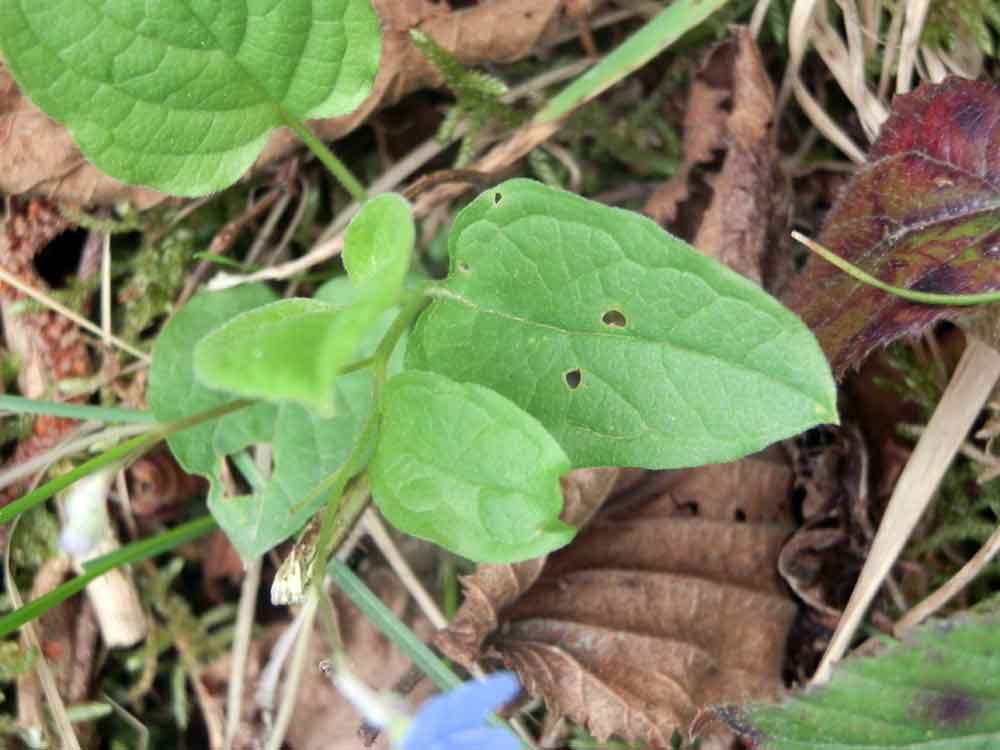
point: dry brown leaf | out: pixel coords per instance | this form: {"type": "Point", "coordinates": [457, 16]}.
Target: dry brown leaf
{"type": "Point", "coordinates": [667, 602]}
{"type": "Point", "coordinates": [730, 111]}
{"type": "Point", "coordinates": [823, 557]}
{"type": "Point", "coordinates": [38, 157]}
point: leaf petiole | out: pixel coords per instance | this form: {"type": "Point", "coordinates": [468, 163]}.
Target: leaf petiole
{"type": "Point", "coordinates": [337, 168]}
{"type": "Point", "coordinates": [926, 298]}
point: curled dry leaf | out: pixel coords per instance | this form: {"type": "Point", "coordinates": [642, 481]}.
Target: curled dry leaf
{"type": "Point", "coordinates": [821, 560]}
{"type": "Point", "coordinates": [37, 155]}
{"type": "Point", "coordinates": [729, 112]}
{"type": "Point", "coordinates": [924, 213]}
{"type": "Point", "coordinates": [667, 602]}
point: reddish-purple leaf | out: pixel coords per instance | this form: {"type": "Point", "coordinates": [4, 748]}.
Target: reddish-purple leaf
{"type": "Point", "coordinates": [924, 214]}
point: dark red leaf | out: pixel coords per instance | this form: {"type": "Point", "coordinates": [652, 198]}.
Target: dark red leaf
{"type": "Point", "coordinates": [924, 214]}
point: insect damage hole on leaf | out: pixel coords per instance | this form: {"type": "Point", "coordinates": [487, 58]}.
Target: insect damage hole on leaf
{"type": "Point", "coordinates": [497, 198]}
{"type": "Point", "coordinates": [573, 378]}
{"type": "Point", "coordinates": [614, 318]}
{"type": "Point", "coordinates": [463, 267]}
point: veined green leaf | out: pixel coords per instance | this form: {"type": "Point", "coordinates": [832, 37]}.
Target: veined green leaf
{"type": "Point", "coordinates": [462, 466]}
{"type": "Point", "coordinates": [937, 690]}
{"type": "Point", "coordinates": [180, 95]}
{"type": "Point", "coordinates": [629, 346]}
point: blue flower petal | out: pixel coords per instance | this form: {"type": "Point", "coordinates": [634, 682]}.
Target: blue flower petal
{"type": "Point", "coordinates": [459, 712]}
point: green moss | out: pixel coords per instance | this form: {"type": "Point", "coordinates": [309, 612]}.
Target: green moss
{"type": "Point", "coordinates": [949, 21]}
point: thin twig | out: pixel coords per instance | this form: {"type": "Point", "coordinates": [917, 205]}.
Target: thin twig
{"type": "Point", "coordinates": [374, 527]}
{"type": "Point", "coordinates": [291, 686]}
{"type": "Point", "coordinates": [76, 445]}
{"type": "Point", "coordinates": [45, 299]}
{"type": "Point", "coordinates": [240, 650]}
{"type": "Point", "coordinates": [54, 701]}
{"type": "Point", "coordinates": [956, 583]}
{"type": "Point", "coordinates": [913, 26]}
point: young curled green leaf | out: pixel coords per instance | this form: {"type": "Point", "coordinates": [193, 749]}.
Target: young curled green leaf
{"type": "Point", "coordinates": [294, 349]}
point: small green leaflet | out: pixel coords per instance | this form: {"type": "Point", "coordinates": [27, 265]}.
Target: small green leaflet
{"type": "Point", "coordinates": [629, 346]}
{"type": "Point", "coordinates": [937, 690]}
{"type": "Point", "coordinates": [181, 95]}
{"type": "Point", "coordinates": [377, 249]}
{"type": "Point", "coordinates": [307, 448]}
{"type": "Point", "coordinates": [462, 466]}
{"type": "Point", "coordinates": [294, 349]}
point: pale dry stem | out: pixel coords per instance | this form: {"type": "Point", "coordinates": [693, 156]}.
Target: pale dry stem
{"type": "Point", "coordinates": [968, 390]}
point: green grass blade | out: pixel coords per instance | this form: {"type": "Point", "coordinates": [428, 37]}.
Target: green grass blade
{"type": "Point", "coordinates": [21, 405]}
{"type": "Point", "coordinates": [649, 41]}
{"type": "Point", "coordinates": [131, 553]}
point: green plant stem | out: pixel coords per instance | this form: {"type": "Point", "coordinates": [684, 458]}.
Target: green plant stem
{"type": "Point", "coordinates": [411, 309]}
{"type": "Point", "coordinates": [359, 364]}
{"type": "Point", "coordinates": [353, 464]}
{"type": "Point", "coordinates": [926, 298]}
{"type": "Point", "coordinates": [131, 553]}
{"type": "Point", "coordinates": [21, 405]}
{"type": "Point", "coordinates": [382, 617]}
{"type": "Point", "coordinates": [156, 434]}
{"type": "Point", "coordinates": [328, 158]}
{"type": "Point", "coordinates": [663, 30]}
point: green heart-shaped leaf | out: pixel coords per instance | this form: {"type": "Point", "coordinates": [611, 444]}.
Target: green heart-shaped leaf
{"type": "Point", "coordinates": [180, 95]}
{"type": "Point", "coordinates": [632, 348]}
{"type": "Point", "coordinates": [462, 466]}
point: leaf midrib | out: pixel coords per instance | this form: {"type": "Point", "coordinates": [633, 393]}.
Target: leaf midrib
{"type": "Point", "coordinates": [445, 294]}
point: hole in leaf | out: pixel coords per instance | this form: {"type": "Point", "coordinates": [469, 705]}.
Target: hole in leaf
{"type": "Point", "coordinates": [573, 378]}
{"type": "Point", "coordinates": [614, 318]}
{"type": "Point", "coordinates": [740, 516]}
{"type": "Point", "coordinates": [463, 267]}
{"type": "Point", "coordinates": [497, 197]}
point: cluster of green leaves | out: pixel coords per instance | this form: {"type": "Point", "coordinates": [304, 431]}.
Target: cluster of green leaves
{"type": "Point", "coordinates": [566, 334]}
